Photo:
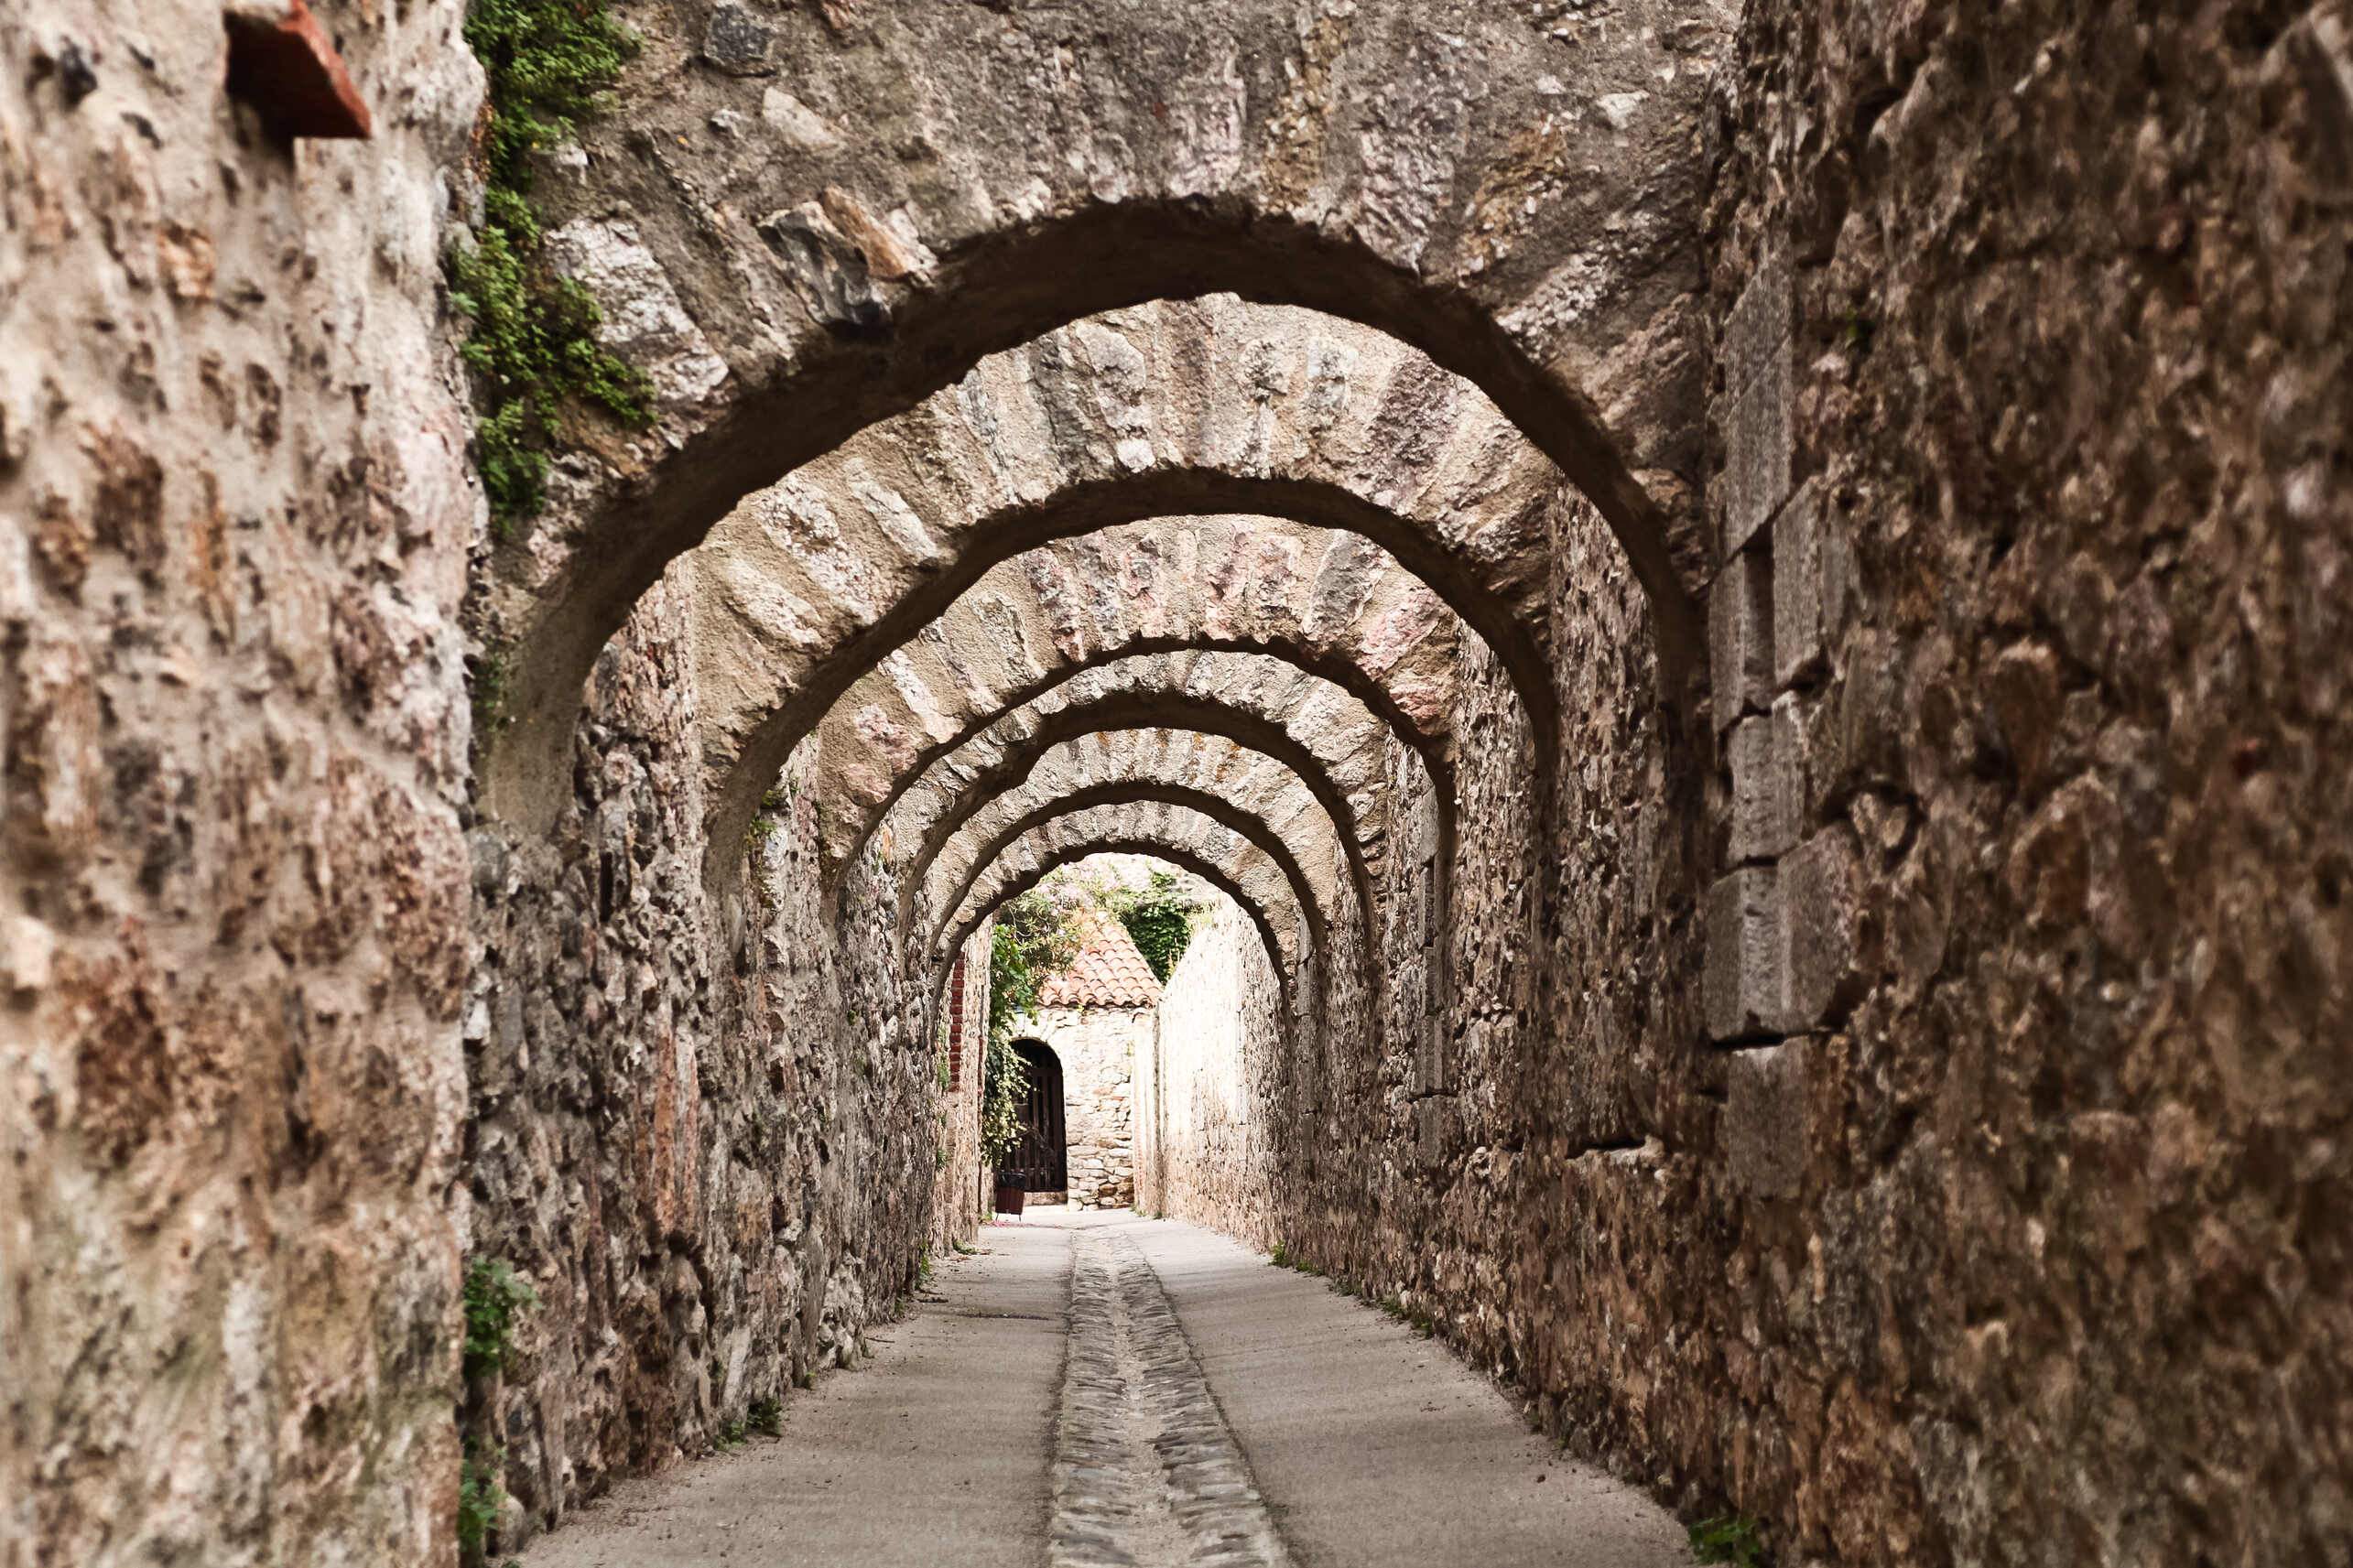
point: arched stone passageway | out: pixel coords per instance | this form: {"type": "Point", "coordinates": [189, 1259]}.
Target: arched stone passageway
{"type": "Point", "coordinates": [1288, 918]}
{"type": "Point", "coordinates": [1315, 791]}
{"type": "Point", "coordinates": [1330, 604]}
{"type": "Point", "coordinates": [497, 1003]}
{"type": "Point", "coordinates": [811, 583]}
{"type": "Point", "coordinates": [960, 887]}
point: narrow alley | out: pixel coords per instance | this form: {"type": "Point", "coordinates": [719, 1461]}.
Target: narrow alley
{"type": "Point", "coordinates": [1093, 1389]}
{"type": "Point", "coordinates": [1641, 706]}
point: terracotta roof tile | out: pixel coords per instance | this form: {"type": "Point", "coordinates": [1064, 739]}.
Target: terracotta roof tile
{"type": "Point", "coordinates": [1106, 970]}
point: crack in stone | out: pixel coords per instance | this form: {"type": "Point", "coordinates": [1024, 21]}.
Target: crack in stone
{"type": "Point", "coordinates": [1146, 1470]}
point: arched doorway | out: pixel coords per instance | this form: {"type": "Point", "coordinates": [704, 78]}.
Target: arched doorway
{"type": "Point", "coordinates": [1041, 1157]}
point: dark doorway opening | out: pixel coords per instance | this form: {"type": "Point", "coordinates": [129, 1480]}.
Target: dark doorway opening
{"type": "Point", "coordinates": [1039, 1158]}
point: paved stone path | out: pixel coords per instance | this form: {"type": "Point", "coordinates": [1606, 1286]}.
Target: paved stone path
{"type": "Point", "coordinates": [1096, 1391]}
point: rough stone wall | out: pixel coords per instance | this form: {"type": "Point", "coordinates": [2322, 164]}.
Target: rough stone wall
{"type": "Point", "coordinates": [963, 1032]}
{"type": "Point", "coordinates": [704, 1131]}
{"type": "Point", "coordinates": [1934, 1139]}
{"type": "Point", "coordinates": [1098, 1047]}
{"type": "Point", "coordinates": [234, 518]}
{"type": "Point", "coordinates": [2032, 392]}
{"type": "Point", "coordinates": [1205, 1080]}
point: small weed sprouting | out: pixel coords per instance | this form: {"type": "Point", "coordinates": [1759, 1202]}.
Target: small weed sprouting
{"type": "Point", "coordinates": [1284, 1258]}
{"type": "Point", "coordinates": [1421, 1322]}
{"type": "Point", "coordinates": [1856, 331]}
{"type": "Point", "coordinates": [966, 1250]}
{"type": "Point", "coordinates": [767, 1416]}
{"type": "Point", "coordinates": [1728, 1538]}
{"type": "Point", "coordinates": [496, 1296]}
{"type": "Point", "coordinates": [804, 1378]}
{"type": "Point", "coordinates": [730, 1437]}
{"type": "Point", "coordinates": [482, 1497]}
{"type": "Point", "coordinates": [487, 682]}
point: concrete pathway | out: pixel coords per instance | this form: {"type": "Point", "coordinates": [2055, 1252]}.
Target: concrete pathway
{"type": "Point", "coordinates": [933, 1453]}
{"type": "Point", "coordinates": [1098, 1390]}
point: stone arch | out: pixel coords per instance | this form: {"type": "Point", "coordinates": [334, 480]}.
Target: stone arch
{"type": "Point", "coordinates": [1384, 166]}
{"type": "Point", "coordinates": [1138, 800]}
{"type": "Point", "coordinates": [1336, 772]}
{"type": "Point", "coordinates": [1247, 790]}
{"type": "Point", "coordinates": [1176, 844]}
{"type": "Point", "coordinates": [1184, 407]}
{"type": "Point", "coordinates": [1288, 905]}
{"type": "Point", "coordinates": [1332, 605]}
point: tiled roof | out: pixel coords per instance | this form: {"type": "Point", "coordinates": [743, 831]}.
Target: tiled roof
{"type": "Point", "coordinates": [1106, 970]}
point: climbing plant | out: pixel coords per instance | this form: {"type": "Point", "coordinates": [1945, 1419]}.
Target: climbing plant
{"type": "Point", "coordinates": [494, 1298]}
{"type": "Point", "coordinates": [1031, 939]}
{"type": "Point", "coordinates": [531, 341]}
{"type": "Point", "coordinates": [1159, 919]}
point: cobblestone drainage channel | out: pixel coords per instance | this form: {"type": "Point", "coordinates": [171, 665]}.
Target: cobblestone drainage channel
{"type": "Point", "coordinates": [1145, 1471]}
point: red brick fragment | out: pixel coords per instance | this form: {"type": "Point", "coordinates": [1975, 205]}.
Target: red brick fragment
{"type": "Point", "coordinates": [283, 64]}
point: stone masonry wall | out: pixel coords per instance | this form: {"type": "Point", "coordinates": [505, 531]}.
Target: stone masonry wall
{"type": "Point", "coordinates": [2031, 383]}
{"type": "Point", "coordinates": [1932, 1131]}
{"type": "Point", "coordinates": [1204, 1080]}
{"type": "Point", "coordinates": [963, 1033]}
{"type": "Point", "coordinates": [1099, 1049]}
{"type": "Point", "coordinates": [234, 518]}
{"type": "Point", "coordinates": [703, 1130]}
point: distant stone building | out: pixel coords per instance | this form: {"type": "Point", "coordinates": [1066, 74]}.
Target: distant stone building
{"type": "Point", "coordinates": [1095, 1020]}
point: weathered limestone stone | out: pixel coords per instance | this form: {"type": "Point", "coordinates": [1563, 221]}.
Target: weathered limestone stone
{"type": "Point", "coordinates": [1811, 586]}
{"type": "Point", "coordinates": [1212, 773]}
{"type": "Point", "coordinates": [1746, 952]}
{"type": "Point", "coordinates": [1765, 1123]}
{"type": "Point", "coordinates": [1820, 892]}
{"type": "Point", "coordinates": [1756, 477]}
{"type": "Point", "coordinates": [1741, 637]}
{"type": "Point", "coordinates": [739, 41]}
{"type": "Point", "coordinates": [1753, 415]}
{"type": "Point", "coordinates": [812, 582]}
{"type": "Point", "coordinates": [1768, 788]}
{"type": "Point", "coordinates": [640, 316]}
{"type": "Point", "coordinates": [235, 520]}
{"type": "Point", "coordinates": [1378, 163]}
{"type": "Point", "coordinates": [1339, 611]}
{"type": "Point", "coordinates": [1961, 1254]}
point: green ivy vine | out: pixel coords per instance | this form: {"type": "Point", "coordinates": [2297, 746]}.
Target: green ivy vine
{"type": "Point", "coordinates": [1159, 919]}
{"type": "Point", "coordinates": [1031, 939]}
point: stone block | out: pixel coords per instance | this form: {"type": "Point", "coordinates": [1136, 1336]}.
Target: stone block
{"type": "Point", "coordinates": [1799, 740]}
{"type": "Point", "coordinates": [1759, 327]}
{"type": "Point", "coordinates": [1764, 1118]}
{"type": "Point", "coordinates": [1429, 1130]}
{"type": "Point", "coordinates": [1812, 575]}
{"type": "Point", "coordinates": [1821, 900]}
{"type": "Point", "coordinates": [1742, 986]}
{"type": "Point", "coordinates": [1768, 790]}
{"type": "Point", "coordinates": [740, 41]}
{"type": "Point", "coordinates": [1757, 455]}
{"type": "Point", "coordinates": [1740, 636]}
